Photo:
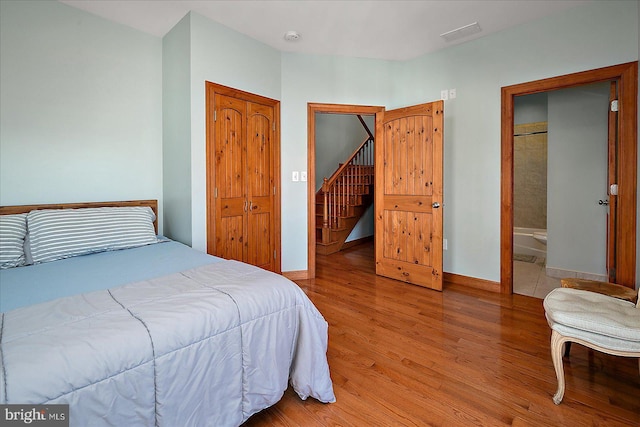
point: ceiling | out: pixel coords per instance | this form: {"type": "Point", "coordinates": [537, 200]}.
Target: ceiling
{"type": "Point", "coordinates": [380, 29]}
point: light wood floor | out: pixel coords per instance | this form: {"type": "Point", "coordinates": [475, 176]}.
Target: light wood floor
{"type": "Point", "coordinates": [401, 355]}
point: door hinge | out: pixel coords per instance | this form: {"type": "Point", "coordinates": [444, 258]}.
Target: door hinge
{"type": "Point", "coordinates": [614, 105]}
{"type": "Point", "coordinates": [274, 255]}
{"type": "Point", "coordinates": [274, 126]}
{"type": "Point", "coordinates": [215, 115]}
{"type": "Point", "coordinates": [215, 193]}
{"type": "Point", "coordinates": [274, 190]}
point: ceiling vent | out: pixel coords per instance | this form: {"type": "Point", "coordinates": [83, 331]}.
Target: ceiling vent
{"type": "Point", "coordinates": [461, 32]}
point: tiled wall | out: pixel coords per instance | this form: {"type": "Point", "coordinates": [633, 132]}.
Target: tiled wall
{"type": "Point", "coordinates": [530, 175]}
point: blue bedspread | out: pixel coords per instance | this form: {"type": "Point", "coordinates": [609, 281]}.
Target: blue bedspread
{"type": "Point", "coordinates": [23, 286]}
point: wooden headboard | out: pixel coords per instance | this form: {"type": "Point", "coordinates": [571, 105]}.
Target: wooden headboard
{"type": "Point", "coordinates": [153, 204]}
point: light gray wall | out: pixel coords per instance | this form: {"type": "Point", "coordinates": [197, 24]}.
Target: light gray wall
{"type": "Point", "coordinates": [577, 179]}
{"type": "Point", "coordinates": [221, 55]}
{"type": "Point", "coordinates": [199, 50]}
{"type": "Point", "coordinates": [530, 108]}
{"type": "Point", "coordinates": [176, 132]}
{"type": "Point", "coordinates": [80, 107]}
{"type": "Point", "coordinates": [321, 79]}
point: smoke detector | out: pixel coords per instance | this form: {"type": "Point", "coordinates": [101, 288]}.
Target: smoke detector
{"type": "Point", "coordinates": [292, 36]}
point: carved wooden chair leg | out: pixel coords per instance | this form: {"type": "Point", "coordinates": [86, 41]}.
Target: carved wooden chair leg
{"type": "Point", "coordinates": [557, 342]}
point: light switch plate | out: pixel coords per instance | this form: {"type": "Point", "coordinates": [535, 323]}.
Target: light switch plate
{"type": "Point", "coordinates": [303, 176]}
{"type": "Point", "coordinates": [295, 176]}
{"type": "Point", "coordinates": [444, 94]}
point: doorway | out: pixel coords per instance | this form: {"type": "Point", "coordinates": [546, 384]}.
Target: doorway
{"type": "Point", "coordinates": [408, 195]}
{"type": "Point", "coordinates": [560, 187]}
{"type": "Point", "coordinates": [625, 75]}
{"type": "Point", "coordinates": [312, 110]}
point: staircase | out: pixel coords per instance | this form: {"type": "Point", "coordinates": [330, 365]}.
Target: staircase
{"type": "Point", "coordinates": [344, 198]}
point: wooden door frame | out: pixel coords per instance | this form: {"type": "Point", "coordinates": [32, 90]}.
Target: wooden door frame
{"type": "Point", "coordinates": [627, 76]}
{"type": "Point", "coordinates": [312, 109]}
{"type": "Point", "coordinates": [210, 90]}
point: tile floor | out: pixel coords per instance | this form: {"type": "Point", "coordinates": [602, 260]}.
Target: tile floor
{"type": "Point", "coordinates": [529, 278]}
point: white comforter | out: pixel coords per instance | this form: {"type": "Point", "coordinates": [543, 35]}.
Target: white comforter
{"type": "Point", "coordinates": [205, 347]}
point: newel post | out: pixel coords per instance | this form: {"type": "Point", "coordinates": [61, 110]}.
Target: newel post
{"type": "Point", "coordinates": [325, 213]}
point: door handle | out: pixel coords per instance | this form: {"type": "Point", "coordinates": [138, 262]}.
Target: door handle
{"type": "Point", "coordinates": [603, 202]}
{"type": "Point", "coordinates": [435, 205]}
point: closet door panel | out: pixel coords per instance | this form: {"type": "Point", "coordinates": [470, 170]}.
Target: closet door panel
{"type": "Point", "coordinates": [230, 166]}
{"type": "Point", "coordinates": [260, 185]}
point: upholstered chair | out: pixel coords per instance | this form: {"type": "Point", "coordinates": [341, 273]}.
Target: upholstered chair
{"type": "Point", "coordinates": [597, 321]}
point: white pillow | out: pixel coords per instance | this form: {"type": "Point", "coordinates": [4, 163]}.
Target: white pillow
{"type": "Point", "coordinates": [13, 229]}
{"type": "Point", "coordinates": [62, 233]}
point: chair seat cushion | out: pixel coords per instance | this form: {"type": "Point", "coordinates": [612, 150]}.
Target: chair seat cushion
{"type": "Point", "coordinates": [594, 317]}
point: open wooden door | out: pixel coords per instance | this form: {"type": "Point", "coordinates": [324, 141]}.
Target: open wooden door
{"type": "Point", "coordinates": [408, 196]}
{"type": "Point", "coordinates": [612, 177]}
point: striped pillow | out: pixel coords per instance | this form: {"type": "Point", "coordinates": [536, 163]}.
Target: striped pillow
{"type": "Point", "coordinates": [63, 233]}
{"type": "Point", "coordinates": [13, 229]}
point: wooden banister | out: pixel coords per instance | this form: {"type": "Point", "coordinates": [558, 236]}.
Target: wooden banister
{"type": "Point", "coordinates": [340, 171]}
{"type": "Point", "coordinates": [366, 128]}
{"type": "Point", "coordinates": [345, 184]}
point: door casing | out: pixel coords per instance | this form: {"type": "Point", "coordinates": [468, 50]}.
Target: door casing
{"type": "Point", "coordinates": [627, 77]}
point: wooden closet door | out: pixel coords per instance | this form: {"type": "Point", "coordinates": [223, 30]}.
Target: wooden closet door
{"type": "Point", "coordinates": [243, 176]}
{"type": "Point", "coordinates": [260, 178]}
{"type": "Point", "coordinates": [230, 172]}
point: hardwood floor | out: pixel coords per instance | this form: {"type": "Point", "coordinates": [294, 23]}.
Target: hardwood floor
{"type": "Point", "coordinates": [402, 355]}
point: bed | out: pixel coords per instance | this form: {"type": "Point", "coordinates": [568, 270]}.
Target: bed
{"type": "Point", "coordinates": [129, 328]}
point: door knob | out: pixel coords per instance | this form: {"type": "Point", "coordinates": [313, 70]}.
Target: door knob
{"type": "Point", "coordinates": [603, 202]}
{"type": "Point", "coordinates": [435, 205]}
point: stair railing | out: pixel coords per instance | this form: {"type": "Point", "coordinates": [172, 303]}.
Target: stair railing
{"type": "Point", "coordinates": [339, 189]}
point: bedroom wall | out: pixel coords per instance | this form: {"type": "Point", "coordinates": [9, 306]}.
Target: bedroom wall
{"type": "Point", "coordinates": [318, 79]}
{"type": "Point", "coordinates": [80, 107]}
{"type": "Point", "coordinates": [219, 55]}
{"type": "Point", "coordinates": [176, 131]}
{"type": "Point", "coordinates": [575, 40]}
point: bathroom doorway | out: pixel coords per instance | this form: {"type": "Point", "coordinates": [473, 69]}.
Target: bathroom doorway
{"type": "Point", "coordinates": [624, 176]}
{"type": "Point", "coordinates": [560, 187]}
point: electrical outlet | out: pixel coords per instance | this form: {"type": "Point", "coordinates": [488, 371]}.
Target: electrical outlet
{"type": "Point", "coordinates": [444, 94]}
{"type": "Point", "coordinates": [303, 176]}
{"type": "Point", "coordinates": [295, 176]}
